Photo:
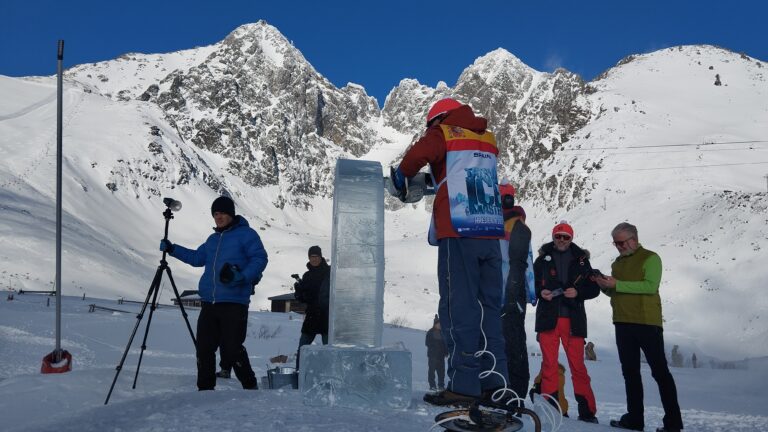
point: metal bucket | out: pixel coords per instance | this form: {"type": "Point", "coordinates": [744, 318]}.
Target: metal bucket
{"type": "Point", "coordinates": [283, 376]}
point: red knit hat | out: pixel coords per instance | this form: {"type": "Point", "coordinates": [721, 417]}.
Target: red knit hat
{"type": "Point", "coordinates": [506, 188]}
{"type": "Point", "coordinates": [562, 228]}
{"type": "Point", "coordinates": [441, 107]}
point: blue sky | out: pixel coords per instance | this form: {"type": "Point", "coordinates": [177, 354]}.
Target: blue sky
{"type": "Point", "coordinates": [378, 43]}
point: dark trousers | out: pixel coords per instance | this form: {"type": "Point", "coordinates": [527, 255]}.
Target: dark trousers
{"type": "Point", "coordinates": [436, 367]}
{"type": "Point", "coordinates": [223, 325]}
{"type": "Point", "coordinates": [307, 339]}
{"type": "Point", "coordinates": [630, 339]}
{"type": "Point", "coordinates": [513, 324]}
{"type": "Point", "coordinates": [469, 278]}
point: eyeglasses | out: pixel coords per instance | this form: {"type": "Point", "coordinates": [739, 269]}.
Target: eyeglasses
{"type": "Point", "coordinates": [621, 243]}
{"type": "Point", "coordinates": [561, 237]}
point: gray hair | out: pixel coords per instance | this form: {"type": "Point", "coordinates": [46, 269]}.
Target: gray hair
{"type": "Point", "coordinates": [625, 227]}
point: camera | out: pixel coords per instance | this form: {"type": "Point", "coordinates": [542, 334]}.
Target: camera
{"type": "Point", "coordinates": [172, 204]}
{"type": "Point", "coordinates": [557, 292]}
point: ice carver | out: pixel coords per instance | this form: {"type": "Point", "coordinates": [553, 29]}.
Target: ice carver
{"type": "Point", "coordinates": [515, 248]}
{"type": "Point", "coordinates": [564, 280]}
{"type": "Point", "coordinates": [466, 226]}
{"type": "Point", "coordinates": [634, 290]}
{"type": "Point", "coordinates": [234, 259]}
{"type": "Point", "coordinates": [312, 290]}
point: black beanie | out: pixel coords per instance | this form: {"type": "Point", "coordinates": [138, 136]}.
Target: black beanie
{"type": "Point", "coordinates": [315, 250]}
{"type": "Point", "coordinates": [223, 204]}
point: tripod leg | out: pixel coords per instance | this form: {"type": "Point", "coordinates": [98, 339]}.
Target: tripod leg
{"type": "Point", "coordinates": [149, 322]}
{"type": "Point", "coordinates": [152, 287]}
{"type": "Point", "coordinates": [181, 306]}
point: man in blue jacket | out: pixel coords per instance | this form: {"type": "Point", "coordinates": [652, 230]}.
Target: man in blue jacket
{"type": "Point", "coordinates": [234, 259]}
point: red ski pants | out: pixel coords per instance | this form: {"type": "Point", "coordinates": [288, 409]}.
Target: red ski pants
{"type": "Point", "coordinates": [549, 341]}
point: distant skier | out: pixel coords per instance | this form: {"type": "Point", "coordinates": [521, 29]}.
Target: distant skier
{"type": "Point", "coordinates": [436, 354]}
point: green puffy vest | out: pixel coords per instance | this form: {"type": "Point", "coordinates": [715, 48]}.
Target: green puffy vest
{"type": "Point", "coordinates": [634, 308]}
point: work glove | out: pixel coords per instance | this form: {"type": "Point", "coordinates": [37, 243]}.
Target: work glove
{"type": "Point", "coordinates": [166, 246]}
{"type": "Point", "coordinates": [230, 274]}
{"type": "Point", "coordinates": [398, 182]}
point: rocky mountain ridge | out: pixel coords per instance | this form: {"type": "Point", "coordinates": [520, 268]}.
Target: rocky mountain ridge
{"type": "Point", "coordinates": [255, 100]}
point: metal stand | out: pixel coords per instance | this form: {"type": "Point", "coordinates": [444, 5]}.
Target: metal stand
{"type": "Point", "coordinates": [154, 289]}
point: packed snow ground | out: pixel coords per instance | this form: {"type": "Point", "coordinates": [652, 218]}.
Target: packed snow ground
{"type": "Point", "coordinates": [166, 398]}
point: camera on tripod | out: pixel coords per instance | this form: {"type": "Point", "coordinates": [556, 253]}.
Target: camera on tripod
{"type": "Point", "coordinates": [172, 204]}
{"type": "Point", "coordinates": [151, 300]}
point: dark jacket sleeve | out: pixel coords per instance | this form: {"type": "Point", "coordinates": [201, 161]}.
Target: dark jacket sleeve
{"type": "Point", "coordinates": [519, 243]}
{"type": "Point", "coordinates": [306, 288]}
{"type": "Point", "coordinates": [256, 257]}
{"type": "Point", "coordinates": [537, 275]}
{"type": "Point", "coordinates": [588, 289]}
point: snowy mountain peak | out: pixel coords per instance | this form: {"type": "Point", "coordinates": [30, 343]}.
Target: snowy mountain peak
{"type": "Point", "coordinates": [265, 41]}
{"type": "Point", "coordinates": [500, 57]}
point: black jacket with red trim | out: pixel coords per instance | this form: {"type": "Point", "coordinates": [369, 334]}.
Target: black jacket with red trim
{"type": "Point", "coordinates": [579, 271]}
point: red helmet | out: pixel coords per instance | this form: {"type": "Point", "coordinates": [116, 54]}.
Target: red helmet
{"type": "Point", "coordinates": [506, 189]}
{"type": "Point", "coordinates": [441, 107]}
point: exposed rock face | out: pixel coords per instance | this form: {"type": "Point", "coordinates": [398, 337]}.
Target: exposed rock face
{"type": "Point", "coordinates": [531, 113]}
{"type": "Point", "coordinates": [255, 100]}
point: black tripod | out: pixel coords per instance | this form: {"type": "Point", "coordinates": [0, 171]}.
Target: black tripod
{"type": "Point", "coordinates": [154, 289]}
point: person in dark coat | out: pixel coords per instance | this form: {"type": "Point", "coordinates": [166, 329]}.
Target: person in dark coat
{"type": "Point", "coordinates": [515, 247]}
{"type": "Point", "coordinates": [436, 354]}
{"type": "Point", "coordinates": [234, 259]}
{"type": "Point", "coordinates": [564, 279]}
{"type": "Point", "coordinates": [312, 290]}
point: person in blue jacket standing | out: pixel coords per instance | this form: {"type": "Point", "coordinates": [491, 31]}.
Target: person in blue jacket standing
{"type": "Point", "coordinates": [234, 259]}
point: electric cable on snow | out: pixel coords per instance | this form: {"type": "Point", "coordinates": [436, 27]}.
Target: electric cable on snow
{"type": "Point", "coordinates": [498, 395]}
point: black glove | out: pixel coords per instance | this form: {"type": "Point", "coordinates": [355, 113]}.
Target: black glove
{"type": "Point", "coordinates": [230, 273]}
{"type": "Point", "coordinates": [166, 246]}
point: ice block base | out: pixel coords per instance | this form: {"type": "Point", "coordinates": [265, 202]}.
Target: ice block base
{"type": "Point", "coordinates": [356, 377]}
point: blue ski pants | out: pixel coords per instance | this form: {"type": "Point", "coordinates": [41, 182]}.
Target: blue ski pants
{"type": "Point", "coordinates": [470, 281]}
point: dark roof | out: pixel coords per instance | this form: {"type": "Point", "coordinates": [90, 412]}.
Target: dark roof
{"type": "Point", "coordinates": [288, 296]}
{"type": "Point", "coordinates": [188, 293]}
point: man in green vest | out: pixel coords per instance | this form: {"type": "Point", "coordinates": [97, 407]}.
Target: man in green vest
{"type": "Point", "coordinates": [634, 290]}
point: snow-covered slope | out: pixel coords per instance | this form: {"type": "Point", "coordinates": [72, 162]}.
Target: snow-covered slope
{"type": "Point", "coordinates": [251, 117]}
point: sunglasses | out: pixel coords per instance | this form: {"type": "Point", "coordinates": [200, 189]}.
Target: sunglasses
{"type": "Point", "coordinates": [561, 237]}
{"type": "Point", "coordinates": [621, 243]}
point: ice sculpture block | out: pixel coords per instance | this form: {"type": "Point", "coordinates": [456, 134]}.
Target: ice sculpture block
{"type": "Point", "coordinates": [356, 377]}
{"type": "Point", "coordinates": [354, 370]}
{"type": "Point", "coordinates": [357, 255]}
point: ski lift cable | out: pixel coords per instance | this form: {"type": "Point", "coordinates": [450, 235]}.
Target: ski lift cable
{"type": "Point", "coordinates": [686, 151]}
{"type": "Point", "coordinates": [682, 167]}
{"type": "Point", "coordinates": [706, 143]}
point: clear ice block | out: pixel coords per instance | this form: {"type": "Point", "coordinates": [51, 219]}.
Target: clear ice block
{"type": "Point", "coordinates": [356, 377]}
{"type": "Point", "coordinates": [356, 313]}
